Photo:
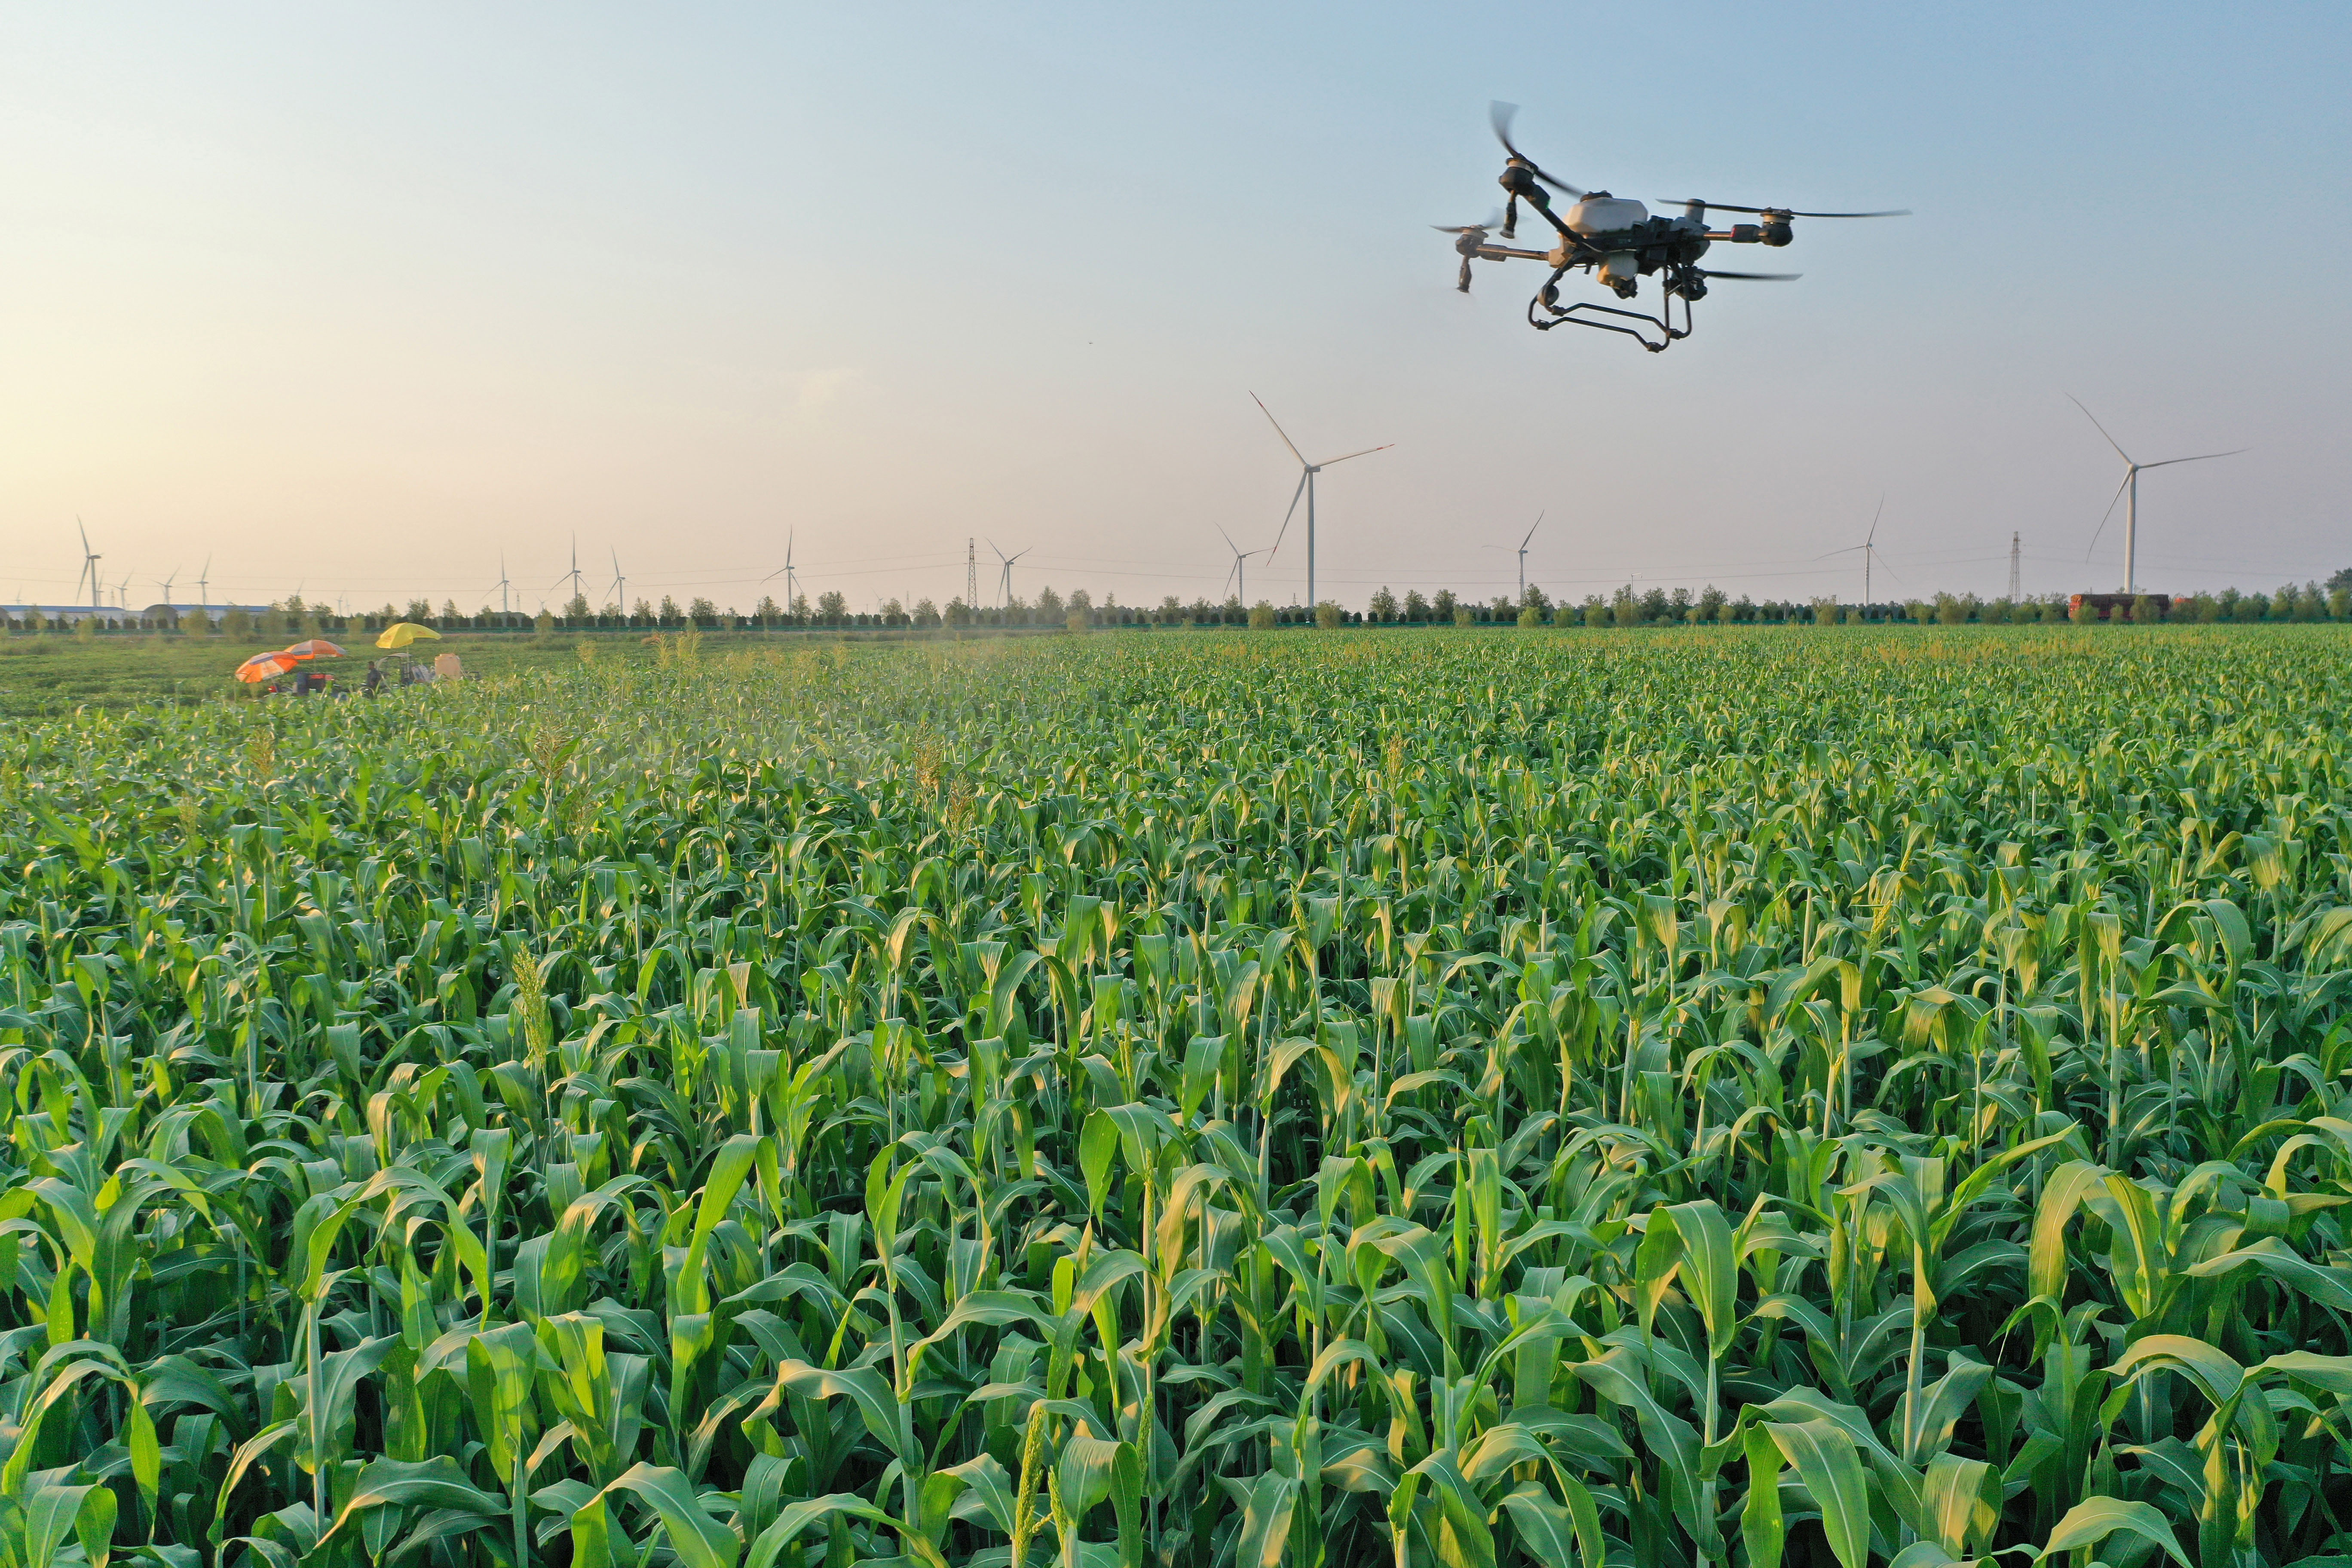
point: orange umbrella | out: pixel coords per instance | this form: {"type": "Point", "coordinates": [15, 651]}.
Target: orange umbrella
{"type": "Point", "coordinates": [265, 667]}
{"type": "Point", "coordinates": [316, 647]}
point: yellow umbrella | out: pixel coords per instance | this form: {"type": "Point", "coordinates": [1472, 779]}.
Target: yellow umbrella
{"type": "Point", "coordinates": [403, 633]}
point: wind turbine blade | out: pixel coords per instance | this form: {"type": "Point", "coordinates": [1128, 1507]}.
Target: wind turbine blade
{"type": "Point", "coordinates": [1226, 537]}
{"type": "Point", "coordinates": [1366, 452]}
{"type": "Point", "coordinates": [2203, 456]}
{"type": "Point", "coordinates": [1286, 517]}
{"type": "Point", "coordinates": [1278, 430]}
{"type": "Point", "coordinates": [2109, 512]}
{"type": "Point", "coordinates": [999, 554]}
{"type": "Point", "coordinates": [1531, 530]}
{"type": "Point", "coordinates": [1847, 551]}
{"type": "Point", "coordinates": [2102, 430]}
{"type": "Point", "coordinates": [1883, 566]}
{"type": "Point", "coordinates": [1873, 522]}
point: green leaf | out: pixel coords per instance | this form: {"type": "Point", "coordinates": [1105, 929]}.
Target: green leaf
{"type": "Point", "coordinates": [1266, 1521]}
{"type": "Point", "coordinates": [2092, 1520]}
{"type": "Point", "coordinates": [1762, 1527]}
{"type": "Point", "coordinates": [1826, 1460]}
{"type": "Point", "coordinates": [699, 1541]}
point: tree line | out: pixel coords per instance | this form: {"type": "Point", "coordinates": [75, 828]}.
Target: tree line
{"type": "Point", "coordinates": [1626, 607]}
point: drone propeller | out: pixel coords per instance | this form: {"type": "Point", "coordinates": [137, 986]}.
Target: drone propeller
{"type": "Point", "coordinates": [1786, 212]}
{"type": "Point", "coordinates": [1471, 237]}
{"type": "Point", "coordinates": [1499, 114]}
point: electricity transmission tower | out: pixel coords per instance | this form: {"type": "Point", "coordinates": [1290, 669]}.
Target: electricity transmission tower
{"type": "Point", "coordinates": [971, 573]}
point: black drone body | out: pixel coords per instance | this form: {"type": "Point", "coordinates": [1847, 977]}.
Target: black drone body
{"type": "Point", "coordinates": [1619, 242]}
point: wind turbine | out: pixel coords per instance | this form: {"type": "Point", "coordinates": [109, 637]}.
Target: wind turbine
{"type": "Point", "coordinates": [571, 576]}
{"type": "Point", "coordinates": [2131, 483]}
{"type": "Point", "coordinates": [166, 583]}
{"type": "Point", "coordinates": [90, 560]}
{"type": "Point", "coordinates": [204, 588]}
{"type": "Point", "coordinates": [1005, 584]}
{"type": "Point", "coordinates": [620, 587]}
{"type": "Point", "coordinates": [1305, 488]}
{"type": "Point", "coordinates": [1869, 553]}
{"type": "Point", "coordinates": [1523, 556]}
{"type": "Point", "coordinates": [1237, 577]}
{"type": "Point", "coordinates": [502, 584]}
{"type": "Point", "coordinates": [791, 578]}
{"type": "Point", "coordinates": [122, 593]}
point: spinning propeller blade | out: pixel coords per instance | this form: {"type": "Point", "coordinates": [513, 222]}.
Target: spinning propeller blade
{"type": "Point", "coordinates": [1499, 115]}
{"type": "Point", "coordinates": [1783, 212]}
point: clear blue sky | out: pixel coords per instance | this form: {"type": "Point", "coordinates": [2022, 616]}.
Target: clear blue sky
{"type": "Point", "coordinates": [357, 298]}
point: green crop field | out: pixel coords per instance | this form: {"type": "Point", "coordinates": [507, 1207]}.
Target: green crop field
{"type": "Point", "coordinates": [1855, 1096]}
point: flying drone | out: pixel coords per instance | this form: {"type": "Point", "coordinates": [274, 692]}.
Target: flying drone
{"type": "Point", "coordinates": [1620, 242]}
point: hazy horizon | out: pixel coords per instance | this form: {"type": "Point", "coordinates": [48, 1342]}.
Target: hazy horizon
{"type": "Point", "coordinates": [357, 301]}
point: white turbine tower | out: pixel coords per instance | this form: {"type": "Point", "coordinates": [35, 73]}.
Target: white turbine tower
{"type": "Point", "coordinates": [1237, 576]}
{"type": "Point", "coordinates": [502, 585]}
{"type": "Point", "coordinates": [620, 588]}
{"type": "Point", "coordinates": [1305, 488]}
{"type": "Point", "coordinates": [1869, 549]}
{"type": "Point", "coordinates": [204, 588]}
{"type": "Point", "coordinates": [2130, 486]}
{"type": "Point", "coordinates": [1521, 549]}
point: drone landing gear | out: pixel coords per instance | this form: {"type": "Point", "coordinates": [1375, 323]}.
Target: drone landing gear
{"type": "Point", "coordinates": [1560, 315]}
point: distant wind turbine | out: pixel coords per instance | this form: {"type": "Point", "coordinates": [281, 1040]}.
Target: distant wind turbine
{"type": "Point", "coordinates": [90, 560]}
{"type": "Point", "coordinates": [1005, 584]}
{"type": "Point", "coordinates": [205, 587]}
{"type": "Point", "coordinates": [571, 576]}
{"type": "Point", "coordinates": [1522, 553]}
{"type": "Point", "coordinates": [1869, 552]}
{"type": "Point", "coordinates": [166, 583]}
{"type": "Point", "coordinates": [1237, 576]}
{"type": "Point", "coordinates": [791, 578]}
{"type": "Point", "coordinates": [620, 586]}
{"type": "Point", "coordinates": [1305, 488]}
{"type": "Point", "coordinates": [502, 584]}
{"type": "Point", "coordinates": [2131, 484]}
